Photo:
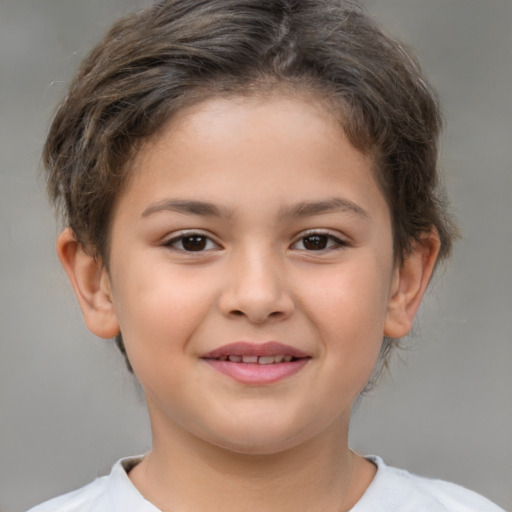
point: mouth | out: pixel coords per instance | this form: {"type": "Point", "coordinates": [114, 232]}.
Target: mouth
{"type": "Point", "coordinates": [280, 358]}
{"type": "Point", "coordinates": [257, 364]}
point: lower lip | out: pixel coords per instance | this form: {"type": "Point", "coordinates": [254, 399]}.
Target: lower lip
{"type": "Point", "coordinates": [258, 374]}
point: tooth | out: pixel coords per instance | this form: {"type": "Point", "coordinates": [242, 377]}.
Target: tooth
{"type": "Point", "coordinates": [287, 358]}
{"type": "Point", "coordinates": [266, 359]}
{"type": "Point", "coordinates": [278, 359]}
{"type": "Point", "coordinates": [250, 359]}
{"type": "Point", "coordinates": [223, 358]}
{"type": "Point", "coordinates": [235, 359]}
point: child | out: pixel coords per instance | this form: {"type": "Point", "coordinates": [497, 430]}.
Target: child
{"type": "Point", "coordinates": [252, 207]}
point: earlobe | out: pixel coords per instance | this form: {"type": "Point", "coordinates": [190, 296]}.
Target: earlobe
{"type": "Point", "coordinates": [91, 283]}
{"type": "Point", "coordinates": [410, 281]}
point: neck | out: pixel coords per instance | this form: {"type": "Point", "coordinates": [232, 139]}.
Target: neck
{"type": "Point", "coordinates": [184, 473]}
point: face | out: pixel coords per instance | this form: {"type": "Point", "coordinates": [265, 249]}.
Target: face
{"type": "Point", "coordinates": [251, 271]}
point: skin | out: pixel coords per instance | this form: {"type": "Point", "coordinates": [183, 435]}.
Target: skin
{"type": "Point", "coordinates": [278, 172]}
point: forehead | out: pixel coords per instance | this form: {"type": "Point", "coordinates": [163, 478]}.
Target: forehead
{"type": "Point", "coordinates": [239, 147]}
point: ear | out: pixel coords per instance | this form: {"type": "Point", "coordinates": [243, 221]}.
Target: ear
{"type": "Point", "coordinates": [410, 281]}
{"type": "Point", "coordinates": [91, 283]}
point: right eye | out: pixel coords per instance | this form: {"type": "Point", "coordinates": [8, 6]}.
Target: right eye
{"type": "Point", "coordinates": [192, 242]}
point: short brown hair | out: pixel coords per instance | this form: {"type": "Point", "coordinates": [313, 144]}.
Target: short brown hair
{"type": "Point", "coordinates": [176, 52]}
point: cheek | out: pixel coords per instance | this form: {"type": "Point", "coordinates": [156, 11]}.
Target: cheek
{"type": "Point", "coordinates": [158, 311]}
{"type": "Point", "coordinates": [349, 306]}
{"type": "Point", "coordinates": [352, 297]}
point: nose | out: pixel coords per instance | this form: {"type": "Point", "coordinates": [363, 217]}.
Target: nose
{"type": "Point", "coordinates": [256, 288]}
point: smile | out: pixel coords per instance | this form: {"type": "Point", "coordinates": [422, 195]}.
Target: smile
{"type": "Point", "coordinates": [259, 359]}
{"type": "Point", "coordinates": [257, 364]}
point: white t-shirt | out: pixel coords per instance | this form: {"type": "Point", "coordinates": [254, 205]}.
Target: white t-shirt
{"type": "Point", "coordinates": [392, 490]}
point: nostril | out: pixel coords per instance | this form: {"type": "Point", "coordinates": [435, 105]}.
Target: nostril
{"type": "Point", "coordinates": [257, 317]}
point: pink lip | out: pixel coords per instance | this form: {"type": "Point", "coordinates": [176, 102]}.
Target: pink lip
{"type": "Point", "coordinates": [255, 373]}
{"type": "Point", "coordinates": [242, 348]}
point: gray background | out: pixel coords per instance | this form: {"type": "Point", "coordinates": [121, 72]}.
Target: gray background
{"type": "Point", "coordinates": [68, 409]}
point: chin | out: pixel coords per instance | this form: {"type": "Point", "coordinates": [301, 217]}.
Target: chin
{"type": "Point", "coordinates": [258, 447]}
{"type": "Point", "coordinates": [260, 440]}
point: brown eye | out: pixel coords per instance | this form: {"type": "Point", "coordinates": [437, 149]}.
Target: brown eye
{"type": "Point", "coordinates": [318, 242]}
{"type": "Point", "coordinates": [195, 242]}
{"type": "Point", "coordinates": [315, 242]}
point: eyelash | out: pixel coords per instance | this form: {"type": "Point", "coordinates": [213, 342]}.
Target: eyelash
{"type": "Point", "coordinates": [333, 242]}
{"type": "Point", "coordinates": [182, 237]}
{"type": "Point", "coordinates": [205, 243]}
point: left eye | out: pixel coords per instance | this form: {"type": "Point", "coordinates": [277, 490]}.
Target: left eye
{"type": "Point", "coordinates": [192, 243]}
{"type": "Point", "coordinates": [317, 242]}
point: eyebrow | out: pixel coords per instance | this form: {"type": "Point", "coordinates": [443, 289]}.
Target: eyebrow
{"type": "Point", "coordinates": [188, 207]}
{"type": "Point", "coordinates": [302, 209]}
{"type": "Point", "coordinates": [332, 204]}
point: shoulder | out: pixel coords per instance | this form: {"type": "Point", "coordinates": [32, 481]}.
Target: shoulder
{"type": "Point", "coordinates": [111, 493]}
{"type": "Point", "coordinates": [397, 490]}
{"type": "Point", "coordinates": [90, 497]}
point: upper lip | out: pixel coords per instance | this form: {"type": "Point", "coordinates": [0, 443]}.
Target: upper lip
{"type": "Point", "coordinates": [243, 348]}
